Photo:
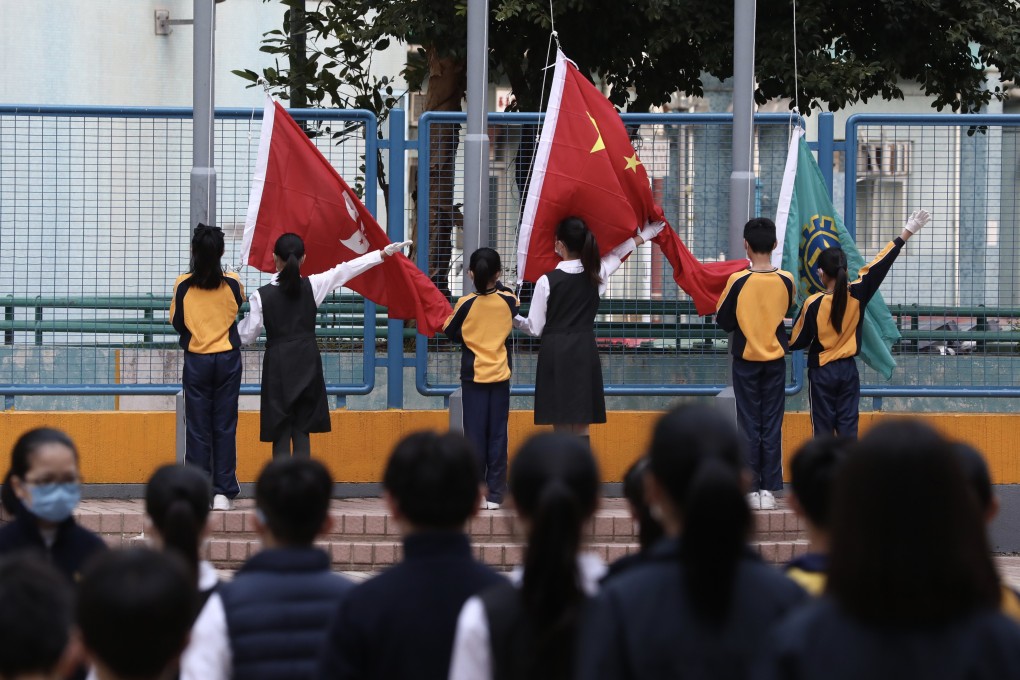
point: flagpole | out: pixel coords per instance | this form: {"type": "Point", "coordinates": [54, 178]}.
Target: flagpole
{"type": "Point", "coordinates": [742, 179]}
{"type": "Point", "coordinates": [476, 142]}
{"type": "Point", "coordinates": [203, 172]}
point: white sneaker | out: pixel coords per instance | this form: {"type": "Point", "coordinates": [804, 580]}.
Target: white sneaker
{"type": "Point", "coordinates": [489, 505]}
{"type": "Point", "coordinates": [768, 501]}
{"type": "Point", "coordinates": [221, 502]}
{"type": "Point", "coordinates": [754, 500]}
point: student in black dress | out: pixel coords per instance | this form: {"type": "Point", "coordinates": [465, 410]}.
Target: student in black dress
{"type": "Point", "coordinates": [912, 589]}
{"type": "Point", "coordinates": [568, 380]}
{"type": "Point", "coordinates": [42, 488]}
{"type": "Point", "coordinates": [293, 389]}
{"type": "Point", "coordinates": [703, 604]}
{"type": "Point", "coordinates": [527, 627]}
{"type": "Point", "coordinates": [203, 310]}
{"type": "Point", "coordinates": [481, 322]}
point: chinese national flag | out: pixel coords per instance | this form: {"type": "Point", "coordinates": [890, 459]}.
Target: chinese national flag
{"type": "Point", "coordinates": [295, 189]}
{"type": "Point", "coordinates": [586, 166]}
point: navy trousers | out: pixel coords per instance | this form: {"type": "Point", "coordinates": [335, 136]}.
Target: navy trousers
{"type": "Point", "coordinates": [212, 383]}
{"type": "Point", "coordinates": [486, 410]}
{"type": "Point", "coordinates": [835, 394]}
{"type": "Point", "coordinates": [759, 388]}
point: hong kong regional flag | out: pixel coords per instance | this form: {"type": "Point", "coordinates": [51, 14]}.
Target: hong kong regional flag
{"type": "Point", "coordinates": [295, 189]}
{"type": "Point", "coordinates": [586, 166]}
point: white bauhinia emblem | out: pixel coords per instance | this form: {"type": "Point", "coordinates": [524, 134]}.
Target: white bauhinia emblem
{"type": "Point", "coordinates": [358, 241]}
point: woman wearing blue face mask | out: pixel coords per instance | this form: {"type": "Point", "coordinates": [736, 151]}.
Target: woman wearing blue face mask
{"type": "Point", "coordinates": [41, 490]}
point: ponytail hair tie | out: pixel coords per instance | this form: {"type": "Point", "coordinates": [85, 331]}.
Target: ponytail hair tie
{"type": "Point", "coordinates": [207, 229]}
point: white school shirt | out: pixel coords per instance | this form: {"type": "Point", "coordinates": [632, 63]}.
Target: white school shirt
{"type": "Point", "coordinates": [323, 284]}
{"type": "Point", "coordinates": [534, 323]}
{"type": "Point", "coordinates": [472, 650]}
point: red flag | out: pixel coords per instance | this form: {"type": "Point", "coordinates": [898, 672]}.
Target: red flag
{"type": "Point", "coordinates": [295, 189]}
{"type": "Point", "coordinates": [586, 166]}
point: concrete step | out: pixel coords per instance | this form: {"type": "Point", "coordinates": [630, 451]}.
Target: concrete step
{"type": "Point", "coordinates": [365, 538]}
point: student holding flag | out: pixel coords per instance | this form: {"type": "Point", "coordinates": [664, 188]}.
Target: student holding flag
{"type": "Point", "coordinates": [830, 325]}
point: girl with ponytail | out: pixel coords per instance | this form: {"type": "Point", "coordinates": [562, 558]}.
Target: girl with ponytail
{"type": "Point", "coordinates": [177, 505]}
{"type": "Point", "coordinates": [203, 310]}
{"type": "Point", "coordinates": [830, 327]}
{"type": "Point", "coordinates": [702, 603]}
{"type": "Point", "coordinates": [481, 322]}
{"type": "Point", "coordinates": [568, 380]}
{"type": "Point", "coordinates": [527, 628]}
{"type": "Point", "coordinates": [293, 401]}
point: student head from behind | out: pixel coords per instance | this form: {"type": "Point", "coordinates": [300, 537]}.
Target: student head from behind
{"type": "Point", "coordinates": [36, 617]}
{"type": "Point", "coordinates": [697, 486]}
{"type": "Point", "coordinates": [906, 526]}
{"type": "Point", "coordinates": [649, 528]}
{"type": "Point", "coordinates": [832, 270]}
{"type": "Point", "coordinates": [206, 251]}
{"type": "Point", "coordinates": [43, 477]}
{"type": "Point", "coordinates": [813, 471]}
{"type": "Point", "coordinates": [135, 608]}
{"type": "Point", "coordinates": [288, 256]}
{"type": "Point", "coordinates": [484, 268]}
{"type": "Point", "coordinates": [431, 482]}
{"type": "Point", "coordinates": [177, 504]}
{"type": "Point", "coordinates": [292, 498]}
{"type": "Point", "coordinates": [975, 471]}
{"type": "Point", "coordinates": [575, 241]}
{"type": "Point", "coordinates": [760, 236]}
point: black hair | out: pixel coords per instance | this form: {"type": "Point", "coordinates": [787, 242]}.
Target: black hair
{"type": "Point", "coordinates": [813, 471]}
{"type": "Point", "coordinates": [905, 524]}
{"type": "Point", "coordinates": [578, 238]}
{"type": "Point", "coordinates": [975, 471]}
{"type": "Point", "coordinates": [290, 248]}
{"type": "Point", "coordinates": [36, 615]}
{"type": "Point", "coordinates": [554, 481]}
{"type": "Point", "coordinates": [760, 234]}
{"type": "Point", "coordinates": [484, 264]}
{"type": "Point", "coordinates": [177, 502]}
{"type": "Point", "coordinates": [697, 457]}
{"type": "Point", "coordinates": [21, 455]}
{"type": "Point", "coordinates": [206, 251]}
{"type": "Point", "coordinates": [433, 479]}
{"type": "Point", "coordinates": [832, 261]}
{"type": "Point", "coordinates": [135, 608]}
{"type": "Point", "coordinates": [649, 528]}
{"type": "Point", "coordinates": [293, 495]}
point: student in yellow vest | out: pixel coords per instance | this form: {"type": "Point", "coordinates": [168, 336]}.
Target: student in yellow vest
{"type": "Point", "coordinates": [813, 471]}
{"type": "Point", "coordinates": [829, 328]}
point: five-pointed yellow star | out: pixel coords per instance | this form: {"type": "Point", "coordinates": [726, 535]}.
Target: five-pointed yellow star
{"type": "Point", "coordinates": [599, 144]}
{"type": "Point", "coordinates": [632, 162]}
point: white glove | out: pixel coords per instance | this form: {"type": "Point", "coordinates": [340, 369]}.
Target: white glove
{"type": "Point", "coordinates": [651, 230]}
{"type": "Point", "coordinates": [917, 220]}
{"type": "Point", "coordinates": [394, 248]}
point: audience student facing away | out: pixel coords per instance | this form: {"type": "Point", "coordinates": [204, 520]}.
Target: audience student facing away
{"type": "Point", "coordinates": [649, 528]}
{"type": "Point", "coordinates": [912, 589]}
{"type": "Point", "coordinates": [36, 616]}
{"type": "Point", "coordinates": [135, 608]}
{"type": "Point", "coordinates": [813, 472]}
{"type": "Point", "coordinates": [527, 628]}
{"type": "Point", "coordinates": [400, 625]}
{"type": "Point", "coordinates": [42, 488]}
{"type": "Point", "coordinates": [270, 621]}
{"type": "Point", "coordinates": [703, 603]}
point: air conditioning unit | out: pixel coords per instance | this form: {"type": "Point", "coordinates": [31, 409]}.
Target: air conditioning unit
{"type": "Point", "coordinates": [883, 159]}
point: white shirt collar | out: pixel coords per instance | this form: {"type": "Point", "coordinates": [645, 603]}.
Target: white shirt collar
{"type": "Point", "coordinates": [570, 266]}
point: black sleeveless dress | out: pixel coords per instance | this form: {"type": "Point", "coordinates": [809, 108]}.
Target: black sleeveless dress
{"type": "Point", "coordinates": [293, 389]}
{"type": "Point", "coordinates": [568, 381]}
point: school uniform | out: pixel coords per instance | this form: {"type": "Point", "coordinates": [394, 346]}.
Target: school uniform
{"type": "Point", "coordinates": [207, 323]}
{"type": "Point", "coordinates": [481, 323]}
{"type": "Point", "coordinates": [568, 378]}
{"type": "Point", "coordinates": [835, 386]}
{"type": "Point", "coordinates": [293, 396]}
{"type": "Point", "coordinates": [821, 641]}
{"type": "Point", "coordinates": [495, 638]}
{"type": "Point", "coordinates": [752, 307]}
{"type": "Point", "coordinates": [809, 571]}
{"type": "Point", "coordinates": [642, 624]}
{"type": "Point", "coordinates": [400, 625]}
{"type": "Point", "coordinates": [68, 546]}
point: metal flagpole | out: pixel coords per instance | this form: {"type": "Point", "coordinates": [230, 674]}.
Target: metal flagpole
{"type": "Point", "coordinates": [476, 143]}
{"type": "Point", "coordinates": [203, 173]}
{"type": "Point", "coordinates": [742, 179]}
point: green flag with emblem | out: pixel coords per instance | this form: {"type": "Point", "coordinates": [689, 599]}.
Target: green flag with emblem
{"type": "Point", "coordinates": [813, 225]}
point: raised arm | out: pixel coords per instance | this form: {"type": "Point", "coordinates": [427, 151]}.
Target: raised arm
{"type": "Point", "coordinates": [250, 327]}
{"type": "Point", "coordinates": [871, 275]}
{"type": "Point", "coordinates": [614, 258]}
{"type": "Point", "coordinates": [325, 283]}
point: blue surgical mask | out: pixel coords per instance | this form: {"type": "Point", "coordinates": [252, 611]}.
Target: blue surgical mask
{"type": "Point", "coordinates": [54, 502]}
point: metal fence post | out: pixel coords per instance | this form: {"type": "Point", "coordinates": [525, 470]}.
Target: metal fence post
{"type": "Point", "coordinates": [395, 219]}
{"type": "Point", "coordinates": [181, 429]}
{"type": "Point", "coordinates": [826, 130]}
